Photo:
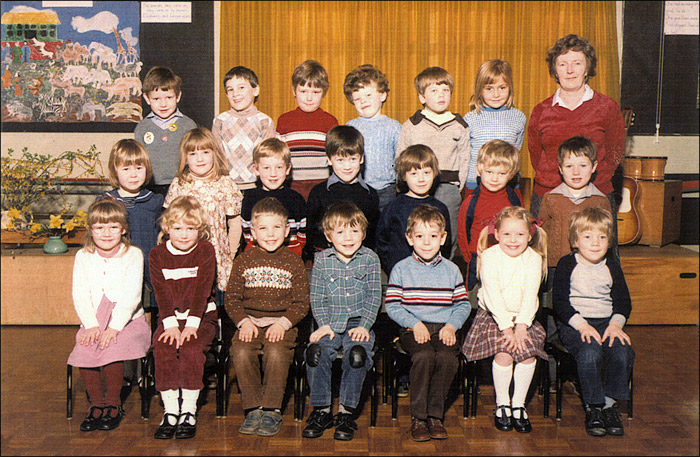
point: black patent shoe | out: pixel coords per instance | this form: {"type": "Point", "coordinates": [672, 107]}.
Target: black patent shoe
{"type": "Point", "coordinates": [594, 422]}
{"type": "Point", "coordinates": [504, 422]}
{"type": "Point", "coordinates": [93, 419]}
{"type": "Point", "coordinates": [613, 424]}
{"type": "Point", "coordinates": [345, 427]}
{"type": "Point", "coordinates": [522, 424]}
{"type": "Point", "coordinates": [318, 422]}
{"type": "Point", "coordinates": [186, 430]}
{"type": "Point", "coordinates": [166, 431]}
{"type": "Point", "coordinates": [111, 417]}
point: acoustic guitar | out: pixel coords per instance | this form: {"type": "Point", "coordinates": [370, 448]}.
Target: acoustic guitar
{"type": "Point", "coordinates": [629, 228]}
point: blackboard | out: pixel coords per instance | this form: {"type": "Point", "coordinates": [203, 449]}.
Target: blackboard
{"type": "Point", "coordinates": [187, 48]}
{"type": "Point", "coordinates": [643, 46]}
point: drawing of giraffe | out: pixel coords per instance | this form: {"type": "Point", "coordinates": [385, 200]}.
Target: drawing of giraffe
{"type": "Point", "coordinates": [120, 49]}
{"type": "Point", "coordinates": [133, 55]}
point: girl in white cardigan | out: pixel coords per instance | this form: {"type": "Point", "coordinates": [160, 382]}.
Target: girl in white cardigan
{"type": "Point", "coordinates": [504, 327]}
{"type": "Point", "coordinates": [107, 282]}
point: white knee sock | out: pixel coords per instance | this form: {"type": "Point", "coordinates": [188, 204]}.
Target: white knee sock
{"type": "Point", "coordinates": [522, 377]}
{"type": "Point", "coordinates": [189, 401]}
{"type": "Point", "coordinates": [171, 401]}
{"type": "Point", "coordinates": [501, 383]}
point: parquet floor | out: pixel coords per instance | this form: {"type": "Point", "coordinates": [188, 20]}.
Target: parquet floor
{"type": "Point", "coordinates": [666, 413]}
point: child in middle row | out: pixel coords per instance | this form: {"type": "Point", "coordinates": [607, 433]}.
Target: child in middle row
{"type": "Point", "coordinates": [345, 148]}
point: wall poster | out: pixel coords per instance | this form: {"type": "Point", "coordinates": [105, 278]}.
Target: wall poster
{"type": "Point", "coordinates": [70, 62]}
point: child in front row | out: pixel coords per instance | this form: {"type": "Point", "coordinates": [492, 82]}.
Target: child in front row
{"type": "Point", "coordinates": [345, 148]}
{"type": "Point", "coordinates": [492, 115]}
{"type": "Point", "coordinates": [367, 89]}
{"type": "Point", "coordinates": [505, 325]}
{"type": "Point", "coordinates": [107, 282]}
{"type": "Point", "coordinates": [416, 168]}
{"type": "Point", "coordinates": [427, 298]}
{"type": "Point", "coordinates": [203, 174]}
{"type": "Point", "coordinates": [346, 293]}
{"type": "Point", "coordinates": [272, 164]}
{"type": "Point", "coordinates": [445, 133]}
{"type": "Point", "coordinates": [496, 164]}
{"type": "Point", "coordinates": [592, 304]}
{"type": "Point", "coordinates": [183, 271]}
{"type": "Point", "coordinates": [267, 295]}
{"type": "Point", "coordinates": [242, 127]}
{"type": "Point", "coordinates": [304, 128]}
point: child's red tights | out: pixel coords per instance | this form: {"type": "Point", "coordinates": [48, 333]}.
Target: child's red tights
{"type": "Point", "coordinates": [113, 373]}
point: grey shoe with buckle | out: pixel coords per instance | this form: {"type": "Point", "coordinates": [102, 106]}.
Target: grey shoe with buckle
{"type": "Point", "coordinates": [251, 423]}
{"type": "Point", "coordinates": [270, 423]}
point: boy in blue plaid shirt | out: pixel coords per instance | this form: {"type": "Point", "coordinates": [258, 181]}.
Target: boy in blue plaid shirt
{"type": "Point", "coordinates": [345, 297]}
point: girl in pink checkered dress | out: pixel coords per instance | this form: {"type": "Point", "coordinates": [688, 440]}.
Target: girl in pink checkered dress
{"type": "Point", "coordinates": [504, 327]}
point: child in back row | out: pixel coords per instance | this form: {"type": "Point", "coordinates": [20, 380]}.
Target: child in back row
{"type": "Point", "coordinates": [107, 282]}
{"type": "Point", "coordinates": [346, 293]}
{"type": "Point", "coordinates": [505, 327]}
{"type": "Point", "coordinates": [497, 163]}
{"type": "Point", "coordinates": [442, 131]}
{"type": "Point", "coordinates": [427, 298]}
{"type": "Point", "coordinates": [367, 89]}
{"type": "Point", "coordinates": [592, 304]}
{"type": "Point", "coordinates": [416, 168]}
{"type": "Point", "coordinates": [183, 269]}
{"type": "Point", "coordinates": [267, 295]}
{"type": "Point", "coordinates": [346, 153]}
{"type": "Point", "coordinates": [163, 128]}
{"type": "Point", "coordinates": [242, 127]}
{"type": "Point", "coordinates": [304, 128]}
{"type": "Point", "coordinates": [492, 115]}
{"type": "Point", "coordinates": [272, 164]}
{"type": "Point", "coordinates": [203, 174]}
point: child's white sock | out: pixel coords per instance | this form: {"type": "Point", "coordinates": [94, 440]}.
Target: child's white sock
{"type": "Point", "coordinates": [501, 382]}
{"type": "Point", "coordinates": [171, 402]}
{"type": "Point", "coordinates": [609, 402]}
{"type": "Point", "coordinates": [522, 377]}
{"type": "Point", "coordinates": [189, 403]}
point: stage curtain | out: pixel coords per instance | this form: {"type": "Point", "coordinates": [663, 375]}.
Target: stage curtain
{"type": "Point", "coordinates": [402, 39]}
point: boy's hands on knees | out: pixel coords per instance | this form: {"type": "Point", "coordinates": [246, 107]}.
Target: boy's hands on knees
{"type": "Point", "coordinates": [587, 332]}
{"type": "Point", "coordinates": [359, 334]}
{"type": "Point", "coordinates": [248, 331]}
{"type": "Point", "coordinates": [615, 331]}
{"type": "Point", "coordinates": [171, 336]}
{"type": "Point", "coordinates": [186, 333]}
{"type": "Point", "coordinates": [89, 336]}
{"type": "Point", "coordinates": [274, 333]}
{"type": "Point", "coordinates": [447, 335]}
{"type": "Point", "coordinates": [321, 332]}
{"type": "Point", "coordinates": [107, 336]}
{"type": "Point", "coordinates": [421, 333]}
{"type": "Point", "coordinates": [521, 337]}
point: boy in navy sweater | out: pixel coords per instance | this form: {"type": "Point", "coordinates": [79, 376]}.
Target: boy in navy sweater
{"type": "Point", "coordinates": [427, 298]}
{"type": "Point", "coordinates": [345, 148]}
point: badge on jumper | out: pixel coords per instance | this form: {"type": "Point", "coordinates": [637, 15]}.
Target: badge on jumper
{"type": "Point", "coordinates": [172, 127]}
{"type": "Point", "coordinates": [165, 138]}
{"type": "Point", "coordinates": [148, 137]}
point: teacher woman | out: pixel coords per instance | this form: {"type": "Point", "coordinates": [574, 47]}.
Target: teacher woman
{"type": "Point", "coordinates": [574, 109]}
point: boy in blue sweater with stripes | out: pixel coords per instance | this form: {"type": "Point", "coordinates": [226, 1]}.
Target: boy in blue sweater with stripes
{"type": "Point", "coordinates": [427, 298]}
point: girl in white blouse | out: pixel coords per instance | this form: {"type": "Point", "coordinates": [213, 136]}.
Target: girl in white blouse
{"type": "Point", "coordinates": [504, 327]}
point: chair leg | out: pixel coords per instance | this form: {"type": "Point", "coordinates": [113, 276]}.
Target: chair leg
{"type": "Point", "coordinates": [560, 386]}
{"type": "Point", "coordinates": [394, 386]}
{"type": "Point", "coordinates": [545, 387]}
{"type": "Point", "coordinates": [375, 398]}
{"type": "Point", "coordinates": [301, 392]}
{"type": "Point", "coordinates": [630, 410]}
{"type": "Point", "coordinates": [474, 388]}
{"type": "Point", "coordinates": [144, 390]}
{"type": "Point", "coordinates": [386, 375]}
{"type": "Point", "coordinates": [221, 381]}
{"type": "Point", "coordinates": [69, 392]}
{"type": "Point", "coordinates": [464, 385]}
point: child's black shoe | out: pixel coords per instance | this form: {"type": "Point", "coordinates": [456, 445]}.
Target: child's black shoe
{"type": "Point", "coordinates": [93, 419]}
{"type": "Point", "coordinates": [594, 422]}
{"type": "Point", "coordinates": [613, 424]}
{"type": "Point", "coordinates": [503, 422]}
{"type": "Point", "coordinates": [318, 422]}
{"type": "Point", "coordinates": [187, 427]}
{"type": "Point", "coordinates": [111, 418]}
{"type": "Point", "coordinates": [345, 427]}
{"type": "Point", "coordinates": [167, 427]}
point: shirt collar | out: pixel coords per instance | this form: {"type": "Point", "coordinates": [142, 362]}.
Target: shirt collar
{"type": "Point", "coordinates": [589, 191]}
{"type": "Point", "coordinates": [333, 179]}
{"type": "Point", "coordinates": [587, 95]}
{"type": "Point", "coordinates": [437, 259]}
{"type": "Point", "coordinates": [331, 252]}
{"type": "Point", "coordinates": [164, 122]}
{"type": "Point", "coordinates": [488, 108]}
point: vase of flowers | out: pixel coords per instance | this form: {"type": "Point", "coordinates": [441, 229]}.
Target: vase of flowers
{"type": "Point", "coordinates": [56, 229]}
{"type": "Point", "coordinates": [55, 245]}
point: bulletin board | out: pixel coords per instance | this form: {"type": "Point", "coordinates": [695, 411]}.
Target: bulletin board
{"type": "Point", "coordinates": [185, 45]}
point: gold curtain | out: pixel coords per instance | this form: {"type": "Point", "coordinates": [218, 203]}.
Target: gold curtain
{"type": "Point", "coordinates": [402, 38]}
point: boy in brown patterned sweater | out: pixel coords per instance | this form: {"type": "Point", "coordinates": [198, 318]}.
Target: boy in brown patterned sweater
{"type": "Point", "coordinates": [266, 296]}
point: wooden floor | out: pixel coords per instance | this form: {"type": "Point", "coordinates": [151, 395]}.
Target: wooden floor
{"type": "Point", "coordinates": [34, 407]}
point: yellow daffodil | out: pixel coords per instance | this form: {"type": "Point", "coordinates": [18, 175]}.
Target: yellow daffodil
{"type": "Point", "coordinates": [70, 226]}
{"type": "Point", "coordinates": [34, 227]}
{"type": "Point", "coordinates": [56, 221]}
{"type": "Point", "coordinates": [14, 213]}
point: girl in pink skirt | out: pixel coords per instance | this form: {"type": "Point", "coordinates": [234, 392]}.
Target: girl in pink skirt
{"type": "Point", "coordinates": [107, 283]}
{"type": "Point", "coordinates": [504, 327]}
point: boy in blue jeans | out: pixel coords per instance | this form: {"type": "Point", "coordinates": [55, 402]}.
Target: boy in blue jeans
{"type": "Point", "coordinates": [591, 304]}
{"type": "Point", "coordinates": [345, 294]}
{"type": "Point", "coordinates": [367, 89]}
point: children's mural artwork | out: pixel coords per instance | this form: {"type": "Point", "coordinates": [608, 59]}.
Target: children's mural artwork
{"type": "Point", "coordinates": [70, 63]}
